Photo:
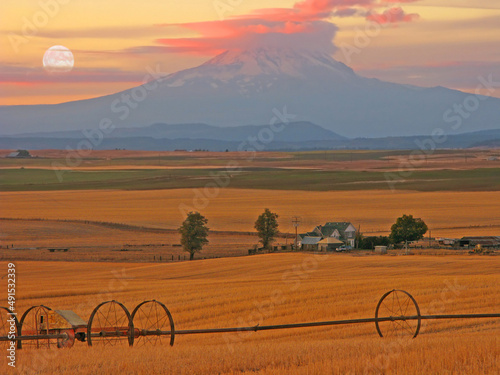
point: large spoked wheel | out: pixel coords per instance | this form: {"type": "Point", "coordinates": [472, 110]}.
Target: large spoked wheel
{"type": "Point", "coordinates": [153, 318]}
{"type": "Point", "coordinates": [35, 322]}
{"type": "Point", "coordinates": [398, 314]}
{"type": "Point", "coordinates": [8, 327]}
{"type": "Point", "coordinates": [110, 324]}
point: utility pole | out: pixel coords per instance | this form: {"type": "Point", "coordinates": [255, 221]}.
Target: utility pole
{"type": "Point", "coordinates": [356, 243]}
{"type": "Point", "coordinates": [296, 222]}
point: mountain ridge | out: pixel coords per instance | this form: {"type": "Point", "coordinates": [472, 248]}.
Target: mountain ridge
{"type": "Point", "coordinates": [484, 139]}
{"type": "Point", "coordinates": [290, 132]}
{"type": "Point", "coordinates": [247, 87]}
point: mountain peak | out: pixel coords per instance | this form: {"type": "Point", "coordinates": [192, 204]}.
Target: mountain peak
{"type": "Point", "coordinates": [275, 61]}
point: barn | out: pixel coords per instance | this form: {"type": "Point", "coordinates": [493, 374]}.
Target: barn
{"type": "Point", "coordinates": [484, 241]}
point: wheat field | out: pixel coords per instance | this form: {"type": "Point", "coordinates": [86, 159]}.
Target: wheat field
{"type": "Point", "coordinates": [260, 289]}
{"type": "Point", "coordinates": [448, 214]}
{"type": "Point", "coordinates": [90, 241]}
{"type": "Point", "coordinates": [276, 289]}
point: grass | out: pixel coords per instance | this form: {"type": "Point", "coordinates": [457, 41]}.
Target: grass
{"type": "Point", "coordinates": [234, 292]}
{"type": "Point", "coordinates": [356, 155]}
{"type": "Point", "coordinates": [485, 179]}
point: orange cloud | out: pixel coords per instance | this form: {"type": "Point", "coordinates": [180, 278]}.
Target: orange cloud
{"type": "Point", "coordinates": [304, 26]}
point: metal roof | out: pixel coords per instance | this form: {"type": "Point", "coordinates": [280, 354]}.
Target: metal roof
{"type": "Point", "coordinates": [310, 240]}
{"type": "Point", "coordinates": [328, 229]}
{"type": "Point", "coordinates": [72, 318]}
{"type": "Point", "coordinates": [331, 241]}
{"type": "Point", "coordinates": [308, 234]}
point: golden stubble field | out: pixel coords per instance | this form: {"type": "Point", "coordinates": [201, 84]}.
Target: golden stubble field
{"type": "Point", "coordinates": [275, 289]}
{"type": "Point", "coordinates": [85, 241]}
{"type": "Point", "coordinates": [448, 214]}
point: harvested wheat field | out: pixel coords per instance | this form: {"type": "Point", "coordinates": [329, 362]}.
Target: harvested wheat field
{"type": "Point", "coordinates": [125, 220]}
{"type": "Point", "coordinates": [446, 213]}
{"type": "Point", "coordinates": [94, 241]}
{"type": "Point", "coordinates": [276, 289]}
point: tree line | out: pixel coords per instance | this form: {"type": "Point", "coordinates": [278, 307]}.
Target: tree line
{"type": "Point", "coordinates": [194, 232]}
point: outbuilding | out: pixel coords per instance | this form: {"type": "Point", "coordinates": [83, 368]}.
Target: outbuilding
{"type": "Point", "coordinates": [329, 244]}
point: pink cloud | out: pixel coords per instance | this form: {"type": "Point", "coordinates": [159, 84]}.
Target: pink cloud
{"type": "Point", "coordinates": [304, 26]}
{"type": "Point", "coordinates": [399, 1]}
{"type": "Point", "coordinates": [392, 15]}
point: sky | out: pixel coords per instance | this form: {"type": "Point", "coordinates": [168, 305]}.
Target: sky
{"type": "Point", "coordinates": [450, 43]}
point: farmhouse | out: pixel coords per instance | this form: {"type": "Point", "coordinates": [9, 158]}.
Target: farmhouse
{"type": "Point", "coordinates": [343, 231]}
{"type": "Point", "coordinates": [328, 237]}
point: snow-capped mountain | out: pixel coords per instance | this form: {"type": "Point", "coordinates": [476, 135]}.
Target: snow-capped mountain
{"type": "Point", "coordinates": [256, 71]}
{"type": "Point", "coordinates": [262, 86]}
{"type": "Point", "coordinates": [267, 61]}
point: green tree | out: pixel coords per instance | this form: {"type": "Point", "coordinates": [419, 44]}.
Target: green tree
{"type": "Point", "coordinates": [267, 227]}
{"type": "Point", "coordinates": [369, 243]}
{"type": "Point", "coordinates": [407, 228]}
{"type": "Point", "coordinates": [194, 233]}
{"type": "Point", "coordinates": [358, 241]}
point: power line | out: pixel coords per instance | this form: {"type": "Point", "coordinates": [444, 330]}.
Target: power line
{"type": "Point", "coordinates": [296, 220]}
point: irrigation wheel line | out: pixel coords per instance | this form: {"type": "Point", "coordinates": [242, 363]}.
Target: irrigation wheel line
{"type": "Point", "coordinates": [397, 315]}
{"type": "Point", "coordinates": [109, 324]}
{"type": "Point", "coordinates": [398, 303]}
{"type": "Point", "coordinates": [156, 316]}
{"type": "Point", "coordinates": [35, 323]}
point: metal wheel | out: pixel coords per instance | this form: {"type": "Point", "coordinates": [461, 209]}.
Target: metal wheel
{"type": "Point", "coordinates": [8, 326]}
{"type": "Point", "coordinates": [68, 341]}
{"type": "Point", "coordinates": [153, 316]}
{"type": "Point", "coordinates": [34, 322]}
{"type": "Point", "coordinates": [109, 325]}
{"type": "Point", "coordinates": [402, 313]}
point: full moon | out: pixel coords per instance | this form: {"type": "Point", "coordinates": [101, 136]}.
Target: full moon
{"type": "Point", "coordinates": [58, 59]}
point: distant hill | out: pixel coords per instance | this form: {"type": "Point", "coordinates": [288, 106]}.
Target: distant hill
{"type": "Point", "coordinates": [291, 132]}
{"type": "Point", "coordinates": [494, 143]}
{"type": "Point", "coordinates": [294, 136]}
